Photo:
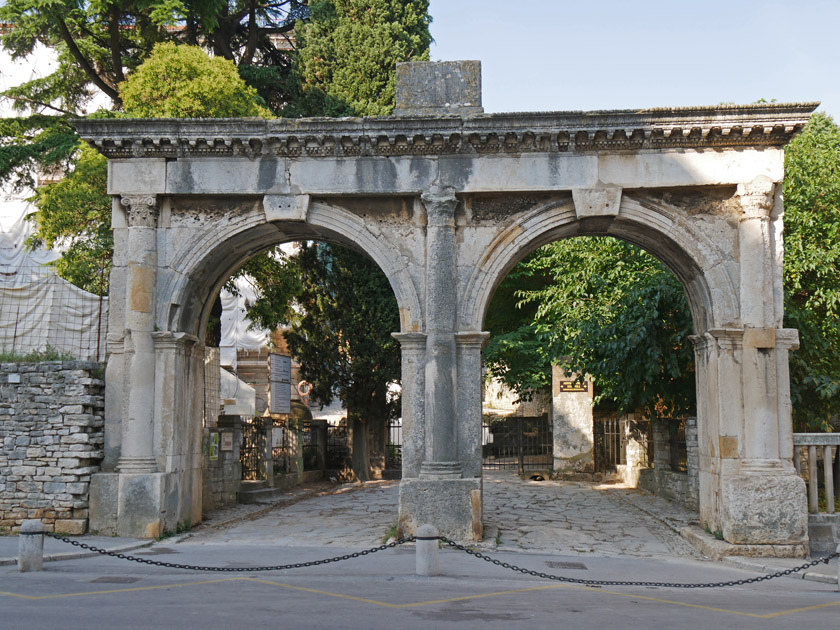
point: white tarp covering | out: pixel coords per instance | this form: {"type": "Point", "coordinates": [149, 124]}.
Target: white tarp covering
{"type": "Point", "coordinates": [238, 397]}
{"type": "Point", "coordinates": [236, 332]}
{"type": "Point", "coordinates": [37, 308]}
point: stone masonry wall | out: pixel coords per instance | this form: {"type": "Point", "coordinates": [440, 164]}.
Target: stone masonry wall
{"type": "Point", "coordinates": [682, 487]}
{"type": "Point", "coordinates": [51, 441]}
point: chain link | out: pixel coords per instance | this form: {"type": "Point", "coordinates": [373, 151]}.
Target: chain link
{"type": "Point", "coordinates": [192, 567]}
{"type": "Point", "coordinates": [560, 578]}
{"type": "Point", "coordinates": [454, 545]}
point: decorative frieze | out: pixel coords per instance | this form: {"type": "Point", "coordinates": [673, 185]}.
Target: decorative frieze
{"type": "Point", "coordinates": [764, 124]}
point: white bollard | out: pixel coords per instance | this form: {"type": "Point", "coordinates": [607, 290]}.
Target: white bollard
{"type": "Point", "coordinates": [31, 546]}
{"type": "Point", "coordinates": [427, 550]}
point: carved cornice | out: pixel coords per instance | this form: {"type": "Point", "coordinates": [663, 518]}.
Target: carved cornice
{"type": "Point", "coordinates": [761, 125]}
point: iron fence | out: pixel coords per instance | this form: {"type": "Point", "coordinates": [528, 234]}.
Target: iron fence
{"type": "Point", "coordinates": [338, 447]}
{"type": "Point", "coordinates": [252, 452]}
{"type": "Point", "coordinates": [609, 443]}
{"type": "Point", "coordinates": [678, 447]}
{"type": "Point", "coordinates": [393, 460]}
{"type": "Point", "coordinates": [517, 443]}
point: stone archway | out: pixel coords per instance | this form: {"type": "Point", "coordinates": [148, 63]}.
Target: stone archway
{"type": "Point", "coordinates": [704, 250]}
{"type": "Point", "coordinates": [446, 202]}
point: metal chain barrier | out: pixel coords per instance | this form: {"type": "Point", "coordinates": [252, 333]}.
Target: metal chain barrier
{"type": "Point", "coordinates": [454, 545]}
{"type": "Point", "coordinates": [560, 578]}
{"type": "Point", "coordinates": [191, 567]}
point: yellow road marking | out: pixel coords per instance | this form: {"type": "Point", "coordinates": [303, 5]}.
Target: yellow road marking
{"type": "Point", "coordinates": [428, 602]}
{"type": "Point", "coordinates": [122, 590]}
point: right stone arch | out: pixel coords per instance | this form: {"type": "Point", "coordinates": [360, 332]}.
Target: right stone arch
{"type": "Point", "coordinates": [724, 246]}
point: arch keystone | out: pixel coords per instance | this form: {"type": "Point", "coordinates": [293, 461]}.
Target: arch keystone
{"type": "Point", "coordinates": [597, 202]}
{"type": "Point", "coordinates": [286, 208]}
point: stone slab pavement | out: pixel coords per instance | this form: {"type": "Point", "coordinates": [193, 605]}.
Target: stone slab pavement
{"type": "Point", "coordinates": [571, 529]}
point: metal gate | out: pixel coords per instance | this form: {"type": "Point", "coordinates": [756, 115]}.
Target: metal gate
{"type": "Point", "coordinates": [517, 443]}
{"type": "Point", "coordinates": [393, 460]}
{"type": "Point", "coordinates": [608, 435]}
{"type": "Point", "coordinates": [338, 447]}
{"type": "Point", "coordinates": [253, 450]}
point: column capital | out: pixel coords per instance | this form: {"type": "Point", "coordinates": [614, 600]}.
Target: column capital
{"type": "Point", "coordinates": [700, 342]}
{"type": "Point", "coordinates": [472, 339]}
{"type": "Point", "coordinates": [756, 199]}
{"type": "Point", "coordinates": [787, 339]}
{"type": "Point", "coordinates": [727, 337]}
{"type": "Point", "coordinates": [142, 210]}
{"type": "Point", "coordinates": [165, 339]}
{"type": "Point", "coordinates": [440, 207]}
{"type": "Point", "coordinates": [411, 340]}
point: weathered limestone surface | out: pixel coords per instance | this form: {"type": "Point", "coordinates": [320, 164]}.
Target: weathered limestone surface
{"type": "Point", "coordinates": [572, 428]}
{"type": "Point", "coordinates": [454, 506]}
{"type": "Point", "coordinates": [51, 420]}
{"type": "Point", "coordinates": [681, 487]}
{"type": "Point", "coordinates": [446, 206]}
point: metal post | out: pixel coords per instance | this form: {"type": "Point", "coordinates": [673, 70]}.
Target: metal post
{"type": "Point", "coordinates": [838, 566]}
{"type": "Point", "coordinates": [521, 436]}
{"type": "Point", "coordinates": [828, 474]}
{"type": "Point", "coordinates": [31, 546]}
{"type": "Point", "coordinates": [427, 551]}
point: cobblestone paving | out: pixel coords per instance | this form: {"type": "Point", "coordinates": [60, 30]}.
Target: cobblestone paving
{"type": "Point", "coordinates": [564, 517]}
{"type": "Point", "coordinates": [574, 517]}
{"type": "Point", "coordinates": [352, 515]}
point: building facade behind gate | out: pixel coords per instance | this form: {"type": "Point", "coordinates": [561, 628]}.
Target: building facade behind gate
{"type": "Point", "coordinates": [447, 200]}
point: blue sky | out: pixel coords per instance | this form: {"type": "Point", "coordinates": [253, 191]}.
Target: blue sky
{"type": "Point", "coordinates": [544, 55]}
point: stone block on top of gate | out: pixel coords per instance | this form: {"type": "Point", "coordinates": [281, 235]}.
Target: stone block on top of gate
{"type": "Point", "coordinates": [438, 88]}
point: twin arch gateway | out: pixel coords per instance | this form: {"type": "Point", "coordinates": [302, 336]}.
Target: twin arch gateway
{"type": "Point", "coordinates": [446, 200]}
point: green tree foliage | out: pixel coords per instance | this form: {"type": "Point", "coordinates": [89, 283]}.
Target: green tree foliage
{"type": "Point", "coordinates": [347, 51]}
{"type": "Point", "coordinates": [74, 214]}
{"type": "Point", "coordinates": [338, 326]}
{"type": "Point", "coordinates": [812, 271]}
{"type": "Point", "coordinates": [98, 44]}
{"type": "Point", "coordinates": [607, 309]}
{"type": "Point", "coordinates": [183, 82]}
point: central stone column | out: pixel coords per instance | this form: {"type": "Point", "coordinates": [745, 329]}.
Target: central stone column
{"type": "Point", "coordinates": [441, 460]}
{"type": "Point", "coordinates": [439, 495]}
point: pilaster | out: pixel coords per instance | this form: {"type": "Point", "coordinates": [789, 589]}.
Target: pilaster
{"type": "Point", "coordinates": [137, 447]}
{"type": "Point", "coordinates": [469, 346]}
{"type": "Point", "coordinates": [413, 349]}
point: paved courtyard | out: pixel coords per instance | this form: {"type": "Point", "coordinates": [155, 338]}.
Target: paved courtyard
{"type": "Point", "coordinates": [534, 516]}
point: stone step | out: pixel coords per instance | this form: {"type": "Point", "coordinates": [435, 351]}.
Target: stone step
{"type": "Point", "coordinates": [258, 484]}
{"type": "Point", "coordinates": [261, 495]}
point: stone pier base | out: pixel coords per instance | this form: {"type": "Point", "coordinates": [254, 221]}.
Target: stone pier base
{"type": "Point", "coordinates": [139, 500]}
{"type": "Point", "coordinates": [453, 506]}
{"type": "Point", "coordinates": [764, 509]}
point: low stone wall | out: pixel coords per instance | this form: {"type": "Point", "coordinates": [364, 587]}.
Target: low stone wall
{"type": "Point", "coordinates": [682, 487]}
{"type": "Point", "coordinates": [51, 441]}
{"type": "Point", "coordinates": [222, 473]}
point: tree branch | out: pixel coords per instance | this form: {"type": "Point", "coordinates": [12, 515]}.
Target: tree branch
{"type": "Point", "coordinates": [114, 32]}
{"type": "Point", "coordinates": [84, 63]}
{"type": "Point", "coordinates": [41, 103]}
